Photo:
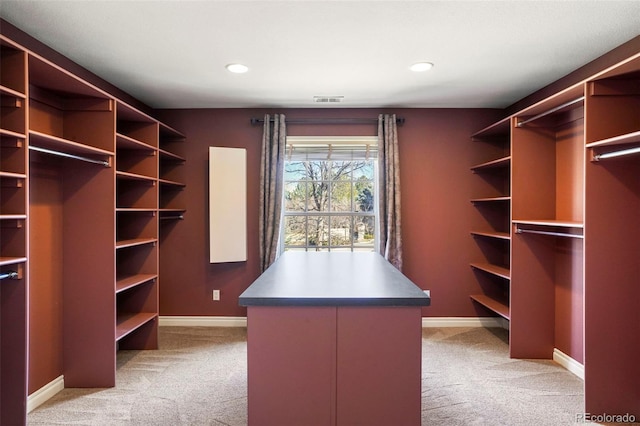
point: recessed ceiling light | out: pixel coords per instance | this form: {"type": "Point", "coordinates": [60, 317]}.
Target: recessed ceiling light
{"type": "Point", "coordinates": [421, 66]}
{"type": "Point", "coordinates": [237, 68]}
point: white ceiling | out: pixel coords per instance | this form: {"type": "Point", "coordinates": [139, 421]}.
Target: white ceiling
{"type": "Point", "coordinates": [171, 54]}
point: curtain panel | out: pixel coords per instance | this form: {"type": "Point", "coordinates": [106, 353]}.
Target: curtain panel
{"type": "Point", "coordinates": [390, 228]}
{"type": "Point", "coordinates": [274, 139]}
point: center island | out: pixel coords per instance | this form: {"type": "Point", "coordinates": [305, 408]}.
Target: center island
{"type": "Point", "coordinates": [334, 338]}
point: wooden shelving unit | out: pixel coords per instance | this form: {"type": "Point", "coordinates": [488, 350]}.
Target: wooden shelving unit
{"type": "Point", "coordinates": [74, 160]}
{"type": "Point", "coordinates": [13, 235]}
{"type": "Point", "coordinates": [137, 140]}
{"type": "Point", "coordinates": [612, 243]}
{"type": "Point", "coordinates": [547, 216]}
{"type": "Point", "coordinates": [490, 225]}
{"type": "Point", "coordinates": [71, 215]}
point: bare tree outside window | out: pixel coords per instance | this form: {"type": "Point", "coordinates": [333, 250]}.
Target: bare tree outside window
{"type": "Point", "coordinates": [329, 205]}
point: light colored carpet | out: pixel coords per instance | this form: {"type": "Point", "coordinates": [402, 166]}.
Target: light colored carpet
{"type": "Point", "coordinates": [199, 377]}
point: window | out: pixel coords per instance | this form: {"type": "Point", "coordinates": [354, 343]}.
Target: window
{"type": "Point", "coordinates": [330, 194]}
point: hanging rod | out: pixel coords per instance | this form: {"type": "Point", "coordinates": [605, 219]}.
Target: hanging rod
{"type": "Point", "coordinates": [399, 120]}
{"type": "Point", "coordinates": [9, 274]}
{"type": "Point", "coordinates": [612, 154]}
{"type": "Point", "coordinates": [180, 217]}
{"type": "Point", "coordinates": [75, 157]}
{"type": "Point", "coordinates": [555, 234]}
{"type": "Point", "coordinates": [551, 111]}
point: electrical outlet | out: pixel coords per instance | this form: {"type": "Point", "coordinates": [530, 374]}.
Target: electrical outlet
{"type": "Point", "coordinates": [216, 294]}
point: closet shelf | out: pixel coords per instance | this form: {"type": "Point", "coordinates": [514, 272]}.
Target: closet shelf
{"type": "Point", "coordinates": [12, 175]}
{"type": "Point", "coordinates": [171, 183]}
{"type": "Point", "coordinates": [8, 260]}
{"type": "Point", "coordinates": [6, 133]}
{"type": "Point", "coordinates": [499, 163]}
{"type": "Point", "coordinates": [127, 142]}
{"type": "Point", "coordinates": [171, 133]}
{"type": "Point", "coordinates": [500, 129]}
{"type": "Point", "coordinates": [134, 176]}
{"type": "Point", "coordinates": [492, 234]}
{"type": "Point", "coordinates": [135, 242]}
{"type": "Point", "coordinates": [128, 323]}
{"type": "Point", "coordinates": [170, 156]}
{"type": "Point", "coordinates": [134, 210]}
{"type": "Point", "coordinates": [4, 90]}
{"type": "Point", "coordinates": [13, 216]}
{"type": "Point", "coordinates": [43, 140]}
{"type": "Point", "coordinates": [494, 305]}
{"type": "Point", "coordinates": [628, 138]}
{"type": "Point", "coordinates": [130, 281]}
{"type": "Point", "coordinates": [490, 199]}
{"type": "Point", "coordinates": [499, 271]}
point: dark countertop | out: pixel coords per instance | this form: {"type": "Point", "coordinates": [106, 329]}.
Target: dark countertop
{"type": "Point", "coordinates": [333, 279]}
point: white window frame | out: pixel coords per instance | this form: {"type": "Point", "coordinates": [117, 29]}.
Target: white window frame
{"type": "Point", "coordinates": [333, 144]}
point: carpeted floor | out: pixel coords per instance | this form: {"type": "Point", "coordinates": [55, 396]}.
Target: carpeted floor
{"type": "Point", "coordinates": [199, 377]}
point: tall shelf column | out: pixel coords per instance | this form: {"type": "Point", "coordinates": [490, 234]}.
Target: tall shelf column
{"type": "Point", "coordinates": [612, 231]}
{"type": "Point", "coordinates": [71, 268]}
{"type": "Point", "coordinates": [13, 233]}
{"type": "Point", "coordinates": [172, 207]}
{"type": "Point", "coordinates": [136, 229]}
{"type": "Point", "coordinates": [491, 220]}
{"type": "Point", "coordinates": [547, 215]}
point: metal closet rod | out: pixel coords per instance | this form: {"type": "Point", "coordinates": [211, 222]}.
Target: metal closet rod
{"type": "Point", "coordinates": [174, 217]}
{"type": "Point", "coordinates": [620, 153]}
{"type": "Point", "coordinates": [555, 234]}
{"type": "Point", "coordinates": [551, 111]}
{"type": "Point", "coordinates": [75, 157]}
{"type": "Point", "coordinates": [8, 274]}
{"type": "Point", "coordinates": [399, 120]}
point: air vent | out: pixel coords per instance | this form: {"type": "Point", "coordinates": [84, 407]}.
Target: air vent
{"type": "Point", "coordinates": [328, 99]}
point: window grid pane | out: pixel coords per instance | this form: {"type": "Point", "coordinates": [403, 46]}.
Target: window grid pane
{"type": "Point", "coordinates": [329, 205]}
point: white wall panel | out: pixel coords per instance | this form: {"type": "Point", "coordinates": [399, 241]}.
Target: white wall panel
{"type": "Point", "coordinates": [227, 205]}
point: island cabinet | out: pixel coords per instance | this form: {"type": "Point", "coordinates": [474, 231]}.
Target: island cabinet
{"type": "Point", "coordinates": [334, 339]}
{"type": "Point", "coordinates": [79, 216]}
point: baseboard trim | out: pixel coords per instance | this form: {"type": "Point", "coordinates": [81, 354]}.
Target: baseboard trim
{"type": "Point", "coordinates": [489, 322]}
{"type": "Point", "coordinates": [43, 394]}
{"type": "Point", "coordinates": [205, 321]}
{"type": "Point", "coordinates": [196, 321]}
{"type": "Point", "coordinates": [569, 363]}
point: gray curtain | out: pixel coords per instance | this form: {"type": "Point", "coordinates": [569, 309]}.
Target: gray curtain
{"type": "Point", "coordinates": [271, 182]}
{"type": "Point", "coordinates": [389, 193]}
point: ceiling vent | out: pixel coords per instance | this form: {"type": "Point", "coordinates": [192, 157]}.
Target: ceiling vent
{"type": "Point", "coordinates": [328, 99]}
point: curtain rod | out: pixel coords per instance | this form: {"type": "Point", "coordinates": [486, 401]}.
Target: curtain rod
{"type": "Point", "coordinates": [399, 120]}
